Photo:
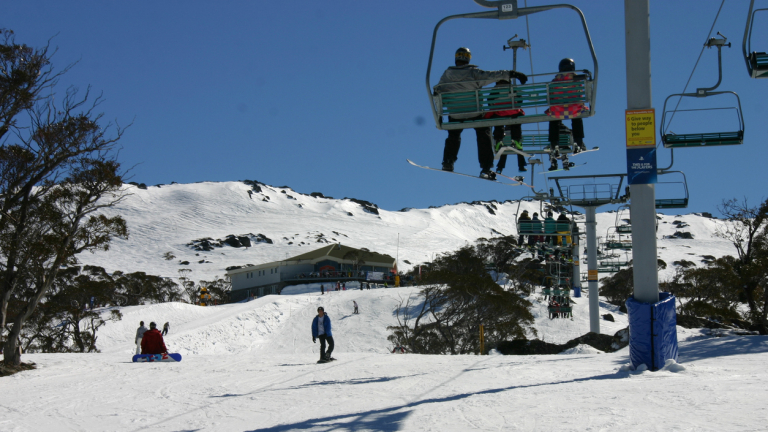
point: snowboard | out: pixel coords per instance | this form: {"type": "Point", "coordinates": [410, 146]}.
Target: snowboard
{"type": "Point", "coordinates": [463, 174]}
{"type": "Point", "coordinates": [326, 361]}
{"type": "Point", "coordinates": [585, 151]}
{"type": "Point", "coordinates": [141, 358]}
{"type": "Point", "coordinates": [518, 179]}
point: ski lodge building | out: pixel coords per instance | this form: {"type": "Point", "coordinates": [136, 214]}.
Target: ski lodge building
{"type": "Point", "coordinates": [329, 264]}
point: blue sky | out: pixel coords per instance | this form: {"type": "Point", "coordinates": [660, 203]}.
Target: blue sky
{"type": "Point", "coordinates": [330, 96]}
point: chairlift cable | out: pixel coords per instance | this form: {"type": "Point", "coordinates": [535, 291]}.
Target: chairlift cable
{"type": "Point", "coordinates": [694, 66]}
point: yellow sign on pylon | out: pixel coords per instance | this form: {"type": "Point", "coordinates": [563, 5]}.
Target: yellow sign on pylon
{"type": "Point", "coordinates": [641, 128]}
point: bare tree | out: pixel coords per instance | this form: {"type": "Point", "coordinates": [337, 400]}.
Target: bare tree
{"type": "Point", "coordinates": [56, 177]}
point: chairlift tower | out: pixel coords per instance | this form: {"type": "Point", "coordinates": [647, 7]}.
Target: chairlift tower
{"type": "Point", "coordinates": [590, 196]}
{"type": "Point", "coordinates": [653, 336]}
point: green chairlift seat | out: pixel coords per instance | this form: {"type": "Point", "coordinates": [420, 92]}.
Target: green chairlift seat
{"type": "Point", "coordinates": [619, 244]}
{"type": "Point", "coordinates": [703, 139]}
{"type": "Point", "coordinates": [624, 229]}
{"type": "Point", "coordinates": [672, 203]}
{"type": "Point", "coordinates": [537, 228]}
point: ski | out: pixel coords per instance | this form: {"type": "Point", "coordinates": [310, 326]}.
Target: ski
{"type": "Point", "coordinates": [463, 174]}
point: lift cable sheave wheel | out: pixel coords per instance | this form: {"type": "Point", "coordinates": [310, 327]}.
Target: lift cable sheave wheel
{"type": "Point", "coordinates": [582, 90]}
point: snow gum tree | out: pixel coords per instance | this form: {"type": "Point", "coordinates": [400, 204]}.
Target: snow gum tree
{"type": "Point", "coordinates": [746, 227]}
{"type": "Point", "coordinates": [459, 295]}
{"type": "Point", "coordinates": [58, 170]}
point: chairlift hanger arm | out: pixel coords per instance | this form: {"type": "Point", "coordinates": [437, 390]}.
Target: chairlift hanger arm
{"type": "Point", "coordinates": [717, 43]}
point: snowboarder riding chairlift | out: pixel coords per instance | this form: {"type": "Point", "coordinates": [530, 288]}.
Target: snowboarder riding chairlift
{"type": "Point", "coordinates": [466, 77]}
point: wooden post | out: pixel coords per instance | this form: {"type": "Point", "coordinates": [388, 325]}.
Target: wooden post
{"type": "Point", "coordinates": [482, 339]}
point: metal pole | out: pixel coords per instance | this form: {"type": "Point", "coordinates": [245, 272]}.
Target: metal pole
{"type": "Point", "coordinates": [594, 300]}
{"type": "Point", "coordinates": [642, 196]}
{"type": "Point", "coordinates": [576, 262]}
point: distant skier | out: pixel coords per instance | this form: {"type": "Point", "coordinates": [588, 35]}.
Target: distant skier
{"type": "Point", "coordinates": [152, 342]}
{"type": "Point", "coordinates": [321, 328]}
{"type": "Point", "coordinates": [355, 303]}
{"type": "Point", "coordinates": [166, 327]}
{"type": "Point", "coordinates": [139, 335]}
{"type": "Point", "coordinates": [322, 289]}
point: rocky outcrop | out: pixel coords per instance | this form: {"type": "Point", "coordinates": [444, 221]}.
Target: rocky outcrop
{"type": "Point", "coordinates": [236, 241]}
{"type": "Point", "coordinates": [601, 342]}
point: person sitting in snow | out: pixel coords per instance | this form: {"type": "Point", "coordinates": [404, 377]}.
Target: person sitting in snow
{"type": "Point", "coordinates": [152, 342]}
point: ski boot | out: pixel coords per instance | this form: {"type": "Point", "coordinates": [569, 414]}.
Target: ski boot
{"type": "Point", "coordinates": [487, 174]}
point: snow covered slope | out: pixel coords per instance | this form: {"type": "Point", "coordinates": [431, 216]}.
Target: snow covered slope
{"type": "Point", "coordinates": [170, 217]}
{"type": "Point", "coordinates": [252, 367]}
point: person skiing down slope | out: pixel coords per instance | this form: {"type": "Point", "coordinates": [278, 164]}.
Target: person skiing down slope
{"type": "Point", "coordinates": [321, 328]}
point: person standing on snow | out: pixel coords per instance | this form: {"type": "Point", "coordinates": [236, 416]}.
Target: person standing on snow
{"type": "Point", "coordinates": [152, 342]}
{"type": "Point", "coordinates": [355, 303]}
{"type": "Point", "coordinates": [467, 77]}
{"type": "Point", "coordinates": [322, 289]}
{"type": "Point", "coordinates": [321, 328]}
{"type": "Point", "coordinates": [139, 335]}
{"type": "Point", "coordinates": [166, 327]}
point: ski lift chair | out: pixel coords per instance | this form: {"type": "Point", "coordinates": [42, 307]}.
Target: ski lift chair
{"type": "Point", "coordinates": [677, 202]}
{"type": "Point", "coordinates": [482, 101]}
{"type": "Point", "coordinates": [730, 137]}
{"type": "Point", "coordinates": [757, 62]}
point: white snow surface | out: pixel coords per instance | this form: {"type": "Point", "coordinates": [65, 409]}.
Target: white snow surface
{"type": "Point", "coordinates": [252, 366]}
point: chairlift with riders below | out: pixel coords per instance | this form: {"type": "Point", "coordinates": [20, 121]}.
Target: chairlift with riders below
{"type": "Point", "coordinates": [484, 101]}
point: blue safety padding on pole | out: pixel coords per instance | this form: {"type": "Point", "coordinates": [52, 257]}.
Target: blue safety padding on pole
{"type": "Point", "coordinates": [577, 291]}
{"type": "Point", "coordinates": [652, 332]}
{"type": "Point", "coordinates": [640, 340]}
{"type": "Point", "coordinates": [664, 330]}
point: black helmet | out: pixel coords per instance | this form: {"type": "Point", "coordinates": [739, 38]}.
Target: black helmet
{"type": "Point", "coordinates": [567, 65]}
{"type": "Point", "coordinates": [463, 54]}
{"type": "Point", "coordinates": [152, 326]}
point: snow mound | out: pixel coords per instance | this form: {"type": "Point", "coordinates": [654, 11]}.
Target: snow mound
{"type": "Point", "coordinates": [582, 349]}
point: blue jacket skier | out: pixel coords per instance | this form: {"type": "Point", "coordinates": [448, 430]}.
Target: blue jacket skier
{"type": "Point", "coordinates": [321, 328]}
